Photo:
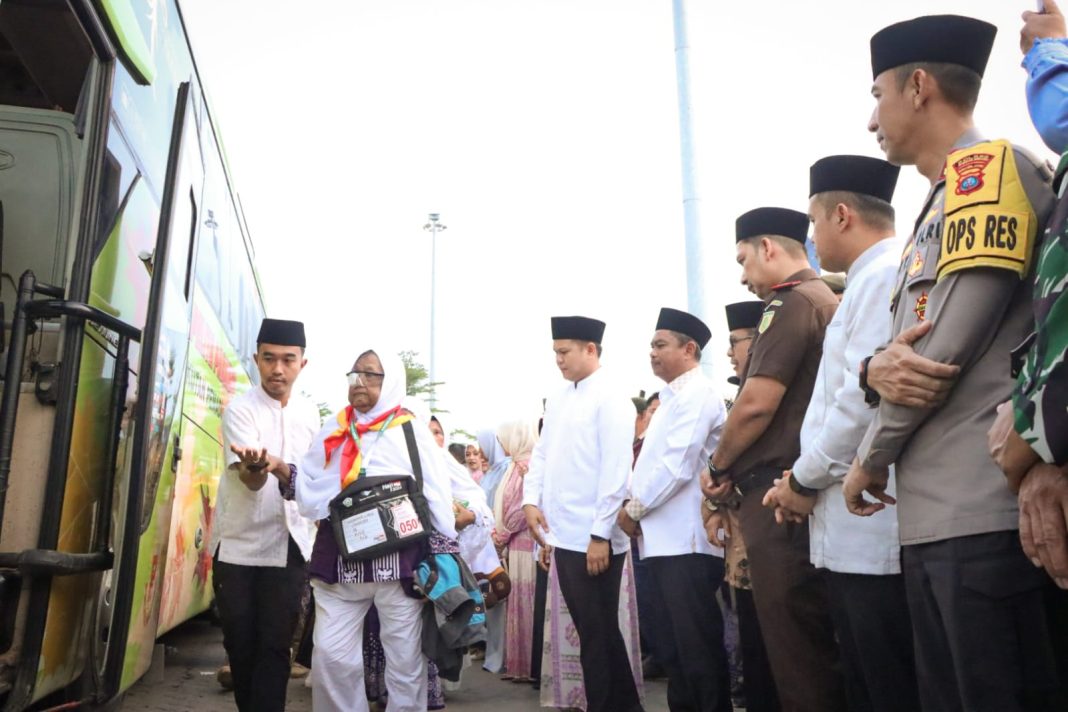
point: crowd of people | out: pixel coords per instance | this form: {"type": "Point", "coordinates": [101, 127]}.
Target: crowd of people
{"type": "Point", "coordinates": [874, 521]}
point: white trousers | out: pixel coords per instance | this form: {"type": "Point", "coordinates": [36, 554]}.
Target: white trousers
{"type": "Point", "coordinates": [337, 659]}
{"type": "Point", "coordinates": [496, 619]}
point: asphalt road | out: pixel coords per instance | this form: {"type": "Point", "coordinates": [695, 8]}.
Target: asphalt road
{"type": "Point", "coordinates": [193, 652]}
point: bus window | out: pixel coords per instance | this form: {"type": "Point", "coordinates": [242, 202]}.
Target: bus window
{"type": "Point", "coordinates": [210, 258]}
{"type": "Point", "coordinates": [120, 169]}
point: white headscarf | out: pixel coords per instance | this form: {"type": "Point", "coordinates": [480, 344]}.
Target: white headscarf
{"type": "Point", "coordinates": [394, 385]}
{"type": "Point", "coordinates": [383, 453]}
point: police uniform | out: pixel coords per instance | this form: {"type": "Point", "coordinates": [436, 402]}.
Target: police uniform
{"type": "Point", "coordinates": [975, 600]}
{"type": "Point", "coordinates": [790, 595]}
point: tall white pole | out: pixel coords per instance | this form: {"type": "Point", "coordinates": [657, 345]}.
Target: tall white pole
{"type": "Point", "coordinates": [691, 202]}
{"type": "Point", "coordinates": [433, 226]}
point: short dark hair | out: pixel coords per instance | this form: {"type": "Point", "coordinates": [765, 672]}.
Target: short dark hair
{"type": "Point", "coordinates": [639, 404]}
{"type": "Point", "coordinates": [874, 212]}
{"type": "Point", "coordinates": [684, 339]}
{"type": "Point", "coordinates": [650, 399]}
{"type": "Point", "coordinates": [958, 84]}
{"type": "Point", "coordinates": [790, 245]}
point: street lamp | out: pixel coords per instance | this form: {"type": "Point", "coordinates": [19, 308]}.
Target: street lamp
{"type": "Point", "coordinates": [434, 226]}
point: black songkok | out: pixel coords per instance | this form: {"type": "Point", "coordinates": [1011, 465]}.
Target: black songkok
{"type": "Point", "coordinates": [579, 328]}
{"type": "Point", "coordinates": [949, 39]}
{"type": "Point", "coordinates": [854, 174]}
{"type": "Point", "coordinates": [744, 315]}
{"type": "Point", "coordinates": [281, 332]}
{"type": "Point", "coordinates": [772, 221]}
{"type": "Point", "coordinates": [684, 323]}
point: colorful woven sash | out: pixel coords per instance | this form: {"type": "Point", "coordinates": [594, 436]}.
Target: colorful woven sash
{"type": "Point", "coordinates": [349, 434]}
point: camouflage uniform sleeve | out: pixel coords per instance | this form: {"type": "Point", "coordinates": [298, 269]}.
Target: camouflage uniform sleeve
{"type": "Point", "coordinates": [1040, 399]}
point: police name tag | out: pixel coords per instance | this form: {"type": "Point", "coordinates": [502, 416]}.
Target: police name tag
{"type": "Point", "coordinates": [363, 530]}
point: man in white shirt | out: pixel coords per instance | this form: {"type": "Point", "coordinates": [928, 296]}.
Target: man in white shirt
{"type": "Point", "coordinates": [664, 510]}
{"type": "Point", "coordinates": [260, 540]}
{"type": "Point", "coordinates": [853, 231]}
{"type": "Point", "coordinates": [571, 494]}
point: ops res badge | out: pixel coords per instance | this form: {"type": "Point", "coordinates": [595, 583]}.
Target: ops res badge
{"type": "Point", "coordinates": [969, 172]}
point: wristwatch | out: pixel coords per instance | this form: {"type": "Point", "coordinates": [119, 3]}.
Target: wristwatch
{"type": "Point", "coordinates": [800, 489]}
{"type": "Point", "coordinates": [871, 396]}
{"type": "Point", "coordinates": [594, 537]}
{"type": "Point", "coordinates": [715, 473]}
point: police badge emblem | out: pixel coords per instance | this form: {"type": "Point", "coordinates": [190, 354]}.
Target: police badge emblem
{"type": "Point", "coordinates": [920, 310]}
{"type": "Point", "coordinates": [970, 172]}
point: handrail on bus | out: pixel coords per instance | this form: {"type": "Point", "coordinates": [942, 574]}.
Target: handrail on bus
{"type": "Point", "coordinates": [81, 310]}
{"type": "Point", "coordinates": [44, 562]}
{"type": "Point", "coordinates": [26, 309]}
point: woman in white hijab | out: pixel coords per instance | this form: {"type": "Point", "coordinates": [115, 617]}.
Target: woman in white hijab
{"type": "Point", "coordinates": [345, 590]}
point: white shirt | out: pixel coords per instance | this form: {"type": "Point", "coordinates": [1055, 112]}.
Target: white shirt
{"type": "Point", "coordinates": [837, 419]}
{"type": "Point", "coordinates": [253, 528]}
{"type": "Point", "coordinates": [579, 468]}
{"type": "Point", "coordinates": [681, 437]}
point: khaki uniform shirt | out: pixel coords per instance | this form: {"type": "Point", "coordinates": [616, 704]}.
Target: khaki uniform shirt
{"type": "Point", "coordinates": [947, 484]}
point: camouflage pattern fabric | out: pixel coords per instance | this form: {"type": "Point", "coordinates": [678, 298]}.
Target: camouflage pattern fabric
{"type": "Point", "coordinates": [1040, 399]}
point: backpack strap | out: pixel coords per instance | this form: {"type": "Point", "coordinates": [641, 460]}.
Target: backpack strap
{"type": "Point", "coordinates": [413, 453]}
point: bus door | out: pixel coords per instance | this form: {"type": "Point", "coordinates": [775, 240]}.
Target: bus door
{"type": "Point", "coordinates": [143, 525]}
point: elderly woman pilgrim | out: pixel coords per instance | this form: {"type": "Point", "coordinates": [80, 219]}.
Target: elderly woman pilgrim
{"type": "Point", "coordinates": [367, 439]}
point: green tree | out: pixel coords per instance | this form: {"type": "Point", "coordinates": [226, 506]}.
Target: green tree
{"type": "Point", "coordinates": [419, 383]}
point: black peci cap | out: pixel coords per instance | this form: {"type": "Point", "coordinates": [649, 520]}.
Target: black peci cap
{"type": "Point", "coordinates": [854, 174]}
{"type": "Point", "coordinates": [772, 221]}
{"type": "Point", "coordinates": [949, 39]}
{"type": "Point", "coordinates": [281, 332]}
{"type": "Point", "coordinates": [744, 315]}
{"type": "Point", "coordinates": [580, 328]}
{"type": "Point", "coordinates": [684, 323]}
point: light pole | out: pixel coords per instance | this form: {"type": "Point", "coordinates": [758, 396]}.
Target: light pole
{"type": "Point", "coordinates": [691, 201]}
{"type": "Point", "coordinates": [434, 226]}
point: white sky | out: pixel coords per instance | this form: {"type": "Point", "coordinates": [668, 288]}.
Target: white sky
{"type": "Point", "coordinates": [545, 132]}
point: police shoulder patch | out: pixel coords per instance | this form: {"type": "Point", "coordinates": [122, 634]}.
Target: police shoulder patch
{"type": "Point", "coordinates": [989, 221]}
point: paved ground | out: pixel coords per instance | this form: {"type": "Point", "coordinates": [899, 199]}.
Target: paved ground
{"type": "Point", "coordinates": [194, 651]}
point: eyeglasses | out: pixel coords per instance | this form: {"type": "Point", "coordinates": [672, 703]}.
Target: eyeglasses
{"type": "Point", "coordinates": [366, 378]}
{"type": "Point", "coordinates": [735, 340]}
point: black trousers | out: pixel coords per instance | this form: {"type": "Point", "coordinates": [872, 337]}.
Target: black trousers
{"type": "Point", "coordinates": [685, 593]}
{"type": "Point", "coordinates": [259, 607]}
{"type": "Point", "coordinates": [871, 619]}
{"type": "Point", "coordinates": [759, 684]}
{"type": "Point", "coordinates": [593, 602]}
{"type": "Point", "coordinates": [981, 626]}
{"type": "Point", "coordinates": [791, 600]}
{"type": "Point", "coordinates": [541, 588]}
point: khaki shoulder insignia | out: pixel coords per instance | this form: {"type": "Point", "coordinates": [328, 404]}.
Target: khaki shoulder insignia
{"type": "Point", "coordinates": [765, 321]}
{"type": "Point", "coordinates": [989, 220]}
